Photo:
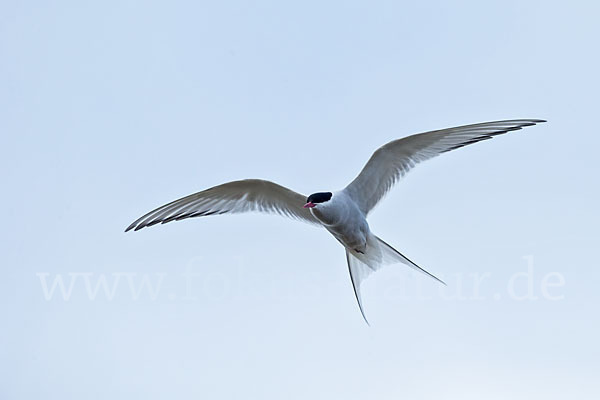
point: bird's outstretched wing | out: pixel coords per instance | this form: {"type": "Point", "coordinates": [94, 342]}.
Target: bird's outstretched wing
{"type": "Point", "coordinates": [232, 197]}
{"type": "Point", "coordinates": [391, 161]}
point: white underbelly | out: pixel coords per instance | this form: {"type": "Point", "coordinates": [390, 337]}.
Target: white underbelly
{"type": "Point", "coordinates": [351, 236]}
{"type": "Point", "coordinates": [344, 220]}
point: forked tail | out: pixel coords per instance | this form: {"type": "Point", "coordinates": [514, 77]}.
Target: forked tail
{"type": "Point", "coordinates": [378, 254]}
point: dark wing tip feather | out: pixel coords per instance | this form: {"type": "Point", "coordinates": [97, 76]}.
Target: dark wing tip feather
{"type": "Point", "coordinates": [519, 126]}
{"type": "Point", "coordinates": [468, 142]}
{"type": "Point", "coordinates": [176, 217]}
{"type": "Point", "coordinates": [134, 225]}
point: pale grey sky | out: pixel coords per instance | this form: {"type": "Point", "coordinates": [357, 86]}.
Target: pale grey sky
{"type": "Point", "coordinates": [109, 109]}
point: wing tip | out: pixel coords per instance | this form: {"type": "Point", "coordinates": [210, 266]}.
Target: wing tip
{"type": "Point", "coordinates": [136, 226]}
{"type": "Point", "coordinates": [533, 121]}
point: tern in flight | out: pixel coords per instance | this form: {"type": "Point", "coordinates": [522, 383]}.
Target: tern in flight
{"type": "Point", "coordinates": [343, 213]}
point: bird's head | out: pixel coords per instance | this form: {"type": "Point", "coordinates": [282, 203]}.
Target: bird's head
{"type": "Point", "coordinates": [317, 198]}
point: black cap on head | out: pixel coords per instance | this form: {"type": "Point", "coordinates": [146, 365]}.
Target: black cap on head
{"type": "Point", "coordinates": [320, 197]}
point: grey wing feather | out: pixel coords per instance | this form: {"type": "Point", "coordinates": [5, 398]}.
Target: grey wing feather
{"type": "Point", "coordinates": [393, 160]}
{"type": "Point", "coordinates": [232, 197]}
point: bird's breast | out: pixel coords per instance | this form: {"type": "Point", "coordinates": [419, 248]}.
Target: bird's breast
{"type": "Point", "coordinates": [345, 222]}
